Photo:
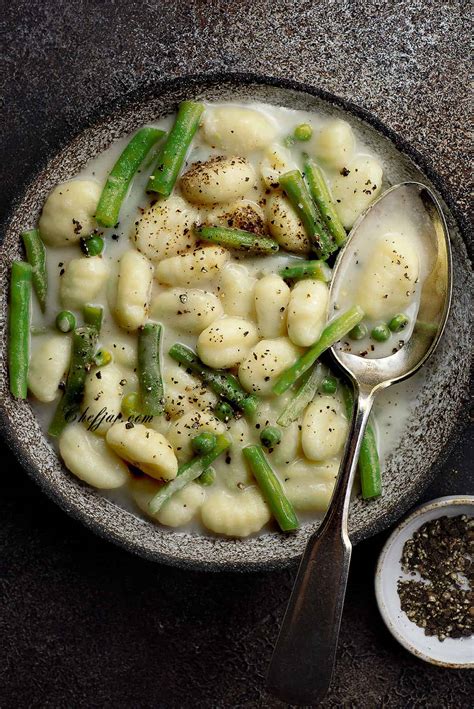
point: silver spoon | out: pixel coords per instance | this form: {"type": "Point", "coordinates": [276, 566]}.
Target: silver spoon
{"type": "Point", "coordinates": [303, 660]}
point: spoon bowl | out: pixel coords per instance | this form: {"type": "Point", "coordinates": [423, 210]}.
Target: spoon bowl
{"type": "Point", "coordinates": [303, 660]}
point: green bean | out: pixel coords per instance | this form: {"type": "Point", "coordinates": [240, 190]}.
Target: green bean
{"type": "Point", "coordinates": [237, 239]}
{"type": "Point", "coordinates": [36, 255]}
{"type": "Point", "coordinates": [84, 342]}
{"type": "Point", "coordinates": [223, 384]}
{"type": "Point", "coordinates": [207, 477]}
{"type": "Point", "coordinates": [398, 322]}
{"type": "Point", "coordinates": [186, 474]}
{"type": "Point", "coordinates": [149, 369]}
{"type": "Point", "coordinates": [19, 328]}
{"type": "Point", "coordinates": [319, 191]}
{"type": "Point", "coordinates": [118, 181]}
{"type": "Point", "coordinates": [307, 269]}
{"type": "Point", "coordinates": [331, 334]}
{"type": "Point", "coordinates": [223, 411]}
{"type": "Point", "coordinates": [204, 442]}
{"type": "Point", "coordinates": [173, 153]}
{"type": "Point", "coordinates": [359, 332]}
{"type": "Point", "coordinates": [380, 333]}
{"type": "Point", "coordinates": [271, 489]}
{"type": "Point", "coordinates": [65, 321]}
{"type": "Point", "coordinates": [303, 132]}
{"type": "Point", "coordinates": [102, 357]}
{"type": "Point", "coordinates": [270, 436]}
{"type": "Point", "coordinates": [369, 463]}
{"type": "Point", "coordinates": [92, 245]}
{"type": "Point", "coordinates": [93, 315]}
{"type": "Point", "coordinates": [305, 394]}
{"type": "Point", "coordinates": [293, 184]}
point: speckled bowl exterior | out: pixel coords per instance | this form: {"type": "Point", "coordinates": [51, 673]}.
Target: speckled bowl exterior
{"type": "Point", "coordinates": [429, 434]}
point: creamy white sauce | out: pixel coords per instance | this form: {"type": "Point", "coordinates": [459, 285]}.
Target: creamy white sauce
{"type": "Point", "coordinates": [392, 408]}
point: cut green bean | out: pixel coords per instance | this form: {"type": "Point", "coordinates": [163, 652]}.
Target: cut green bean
{"type": "Point", "coordinates": [36, 255]}
{"type": "Point", "coordinates": [204, 442]}
{"type": "Point", "coordinates": [84, 341]}
{"type": "Point", "coordinates": [307, 269]}
{"type": "Point", "coordinates": [19, 328]}
{"type": "Point", "coordinates": [359, 332]}
{"type": "Point", "coordinates": [304, 395]}
{"type": "Point", "coordinates": [173, 153]}
{"type": "Point", "coordinates": [270, 436]}
{"type": "Point", "coordinates": [295, 188]}
{"type": "Point", "coordinates": [186, 474]}
{"type": "Point", "coordinates": [65, 321]}
{"type": "Point", "coordinates": [331, 334]}
{"type": "Point", "coordinates": [237, 239]}
{"type": "Point", "coordinates": [92, 245]}
{"type": "Point", "coordinates": [118, 181]}
{"type": "Point", "coordinates": [223, 384]}
{"type": "Point", "coordinates": [149, 369]}
{"type": "Point", "coordinates": [207, 477]}
{"type": "Point", "coordinates": [223, 411]}
{"type": "Point", "coordinates": [93, 315]}
{"type": "Point", "coordinates": [369, 462]}
{"type": "Point", "coordinates": [398, 322]}
{"type": "Point", "coordinates": [319, 191]}
{"type": "Point", "coordinates": [271, 489]}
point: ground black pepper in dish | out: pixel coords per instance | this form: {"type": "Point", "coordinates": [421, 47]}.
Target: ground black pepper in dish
{"type": "Point", "coordinates": [442, 600]}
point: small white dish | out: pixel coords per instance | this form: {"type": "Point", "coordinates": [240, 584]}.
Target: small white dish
{"type": "Point", "coordinates": [456, 653]}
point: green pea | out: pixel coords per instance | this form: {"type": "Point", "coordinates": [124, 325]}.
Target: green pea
{"type": "Point", "coordinates": [270, 436]}
{"type": "Point", "coordinates": [131, 404]}
{"type": "Point", "coordinates": [303, 132]}
{"type": "Point", "coordinates": [65, 321]}
{"type": "Point", "coordinates": [102, 357]}
{"type": "Point", "coordinates": [380, 333]}
{"type": "Point", "coordinates": [92, 245]}
{"type": "Point", "coordinates": [358, 332]}
{"type": "Point", "coordinates": [398, 322]}
{"type": "Point", "coordinates": [224, 411]}
{"type": "Point", "coordinates": [207, 477]}
{"type": "Point", "coordinates": [328, 385]}
{"type": "Point", "coordinates": [204, 443]}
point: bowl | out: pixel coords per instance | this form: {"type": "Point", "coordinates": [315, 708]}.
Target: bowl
{"type": "Point", "coordinates": [455, 653]}
{"type": "Point", "coordinates": [426, 439]}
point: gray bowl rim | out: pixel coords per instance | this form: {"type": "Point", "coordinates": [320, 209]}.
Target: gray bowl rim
{"type": "Point", "coordinates": [149, 90]}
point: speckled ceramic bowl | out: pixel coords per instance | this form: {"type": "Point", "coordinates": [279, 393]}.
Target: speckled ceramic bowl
{"type": "Point", "coordinates": [427, 437]}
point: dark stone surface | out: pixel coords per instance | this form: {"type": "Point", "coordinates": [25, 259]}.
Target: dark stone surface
{"type": "Point", "coordinates": [82, 622]}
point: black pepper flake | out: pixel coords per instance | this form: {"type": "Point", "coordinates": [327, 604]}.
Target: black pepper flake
{"type": "Point", "coordinates": [441, 601]}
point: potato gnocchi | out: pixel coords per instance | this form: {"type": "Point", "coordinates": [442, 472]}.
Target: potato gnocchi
{"type": "Point", "coordinates": [190, 332]}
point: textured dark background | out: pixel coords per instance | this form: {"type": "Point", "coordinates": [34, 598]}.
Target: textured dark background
{"type": "Point", "coordinates": [83, 623]}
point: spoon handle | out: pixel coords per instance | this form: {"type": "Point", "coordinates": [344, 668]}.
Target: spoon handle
{"type": "Point", "coordinates": [303, 660]}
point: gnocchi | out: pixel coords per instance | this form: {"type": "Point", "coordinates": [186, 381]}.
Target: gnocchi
{"type": "Point", "coordinates": [324, 429]}
{"type": "Point", "coordinates": [189, 309]}
{"type": "Point", "coordinates": [285, 226]}
{"type": "Point", "coordinates": [82, 281]}
{"type": "Point", "coordinates": [144, 448]}
{"type": "Point", "coordinates": [235, 514]}
{"type": "Point", "coordinates": [134, 284]}
{"type": "Point", "coordinates": [48, 365]}
{"type": "Point", "coordinates": [102, 399]}
{"type": "Point", "coordinates": [182, 392]}
{"type": "Point", "coordinates": [335, 144]}
{"type": "Point", "coordinates": [68, 213]}
{"type": "Point", "coordinates": [238, 130]}
{"type": "Point", "coordinates": [184, 429]}
{"type": "Point", "coordinates": [276, 161]}
{"type": "Point", "coordinates": [237, 291]}
{"type": "Point", "coordinates": [356, 188]}
{"type": "Point", "coordinates": [178, 510]}
{"type": "Point", "coordinates": [165, 229]}
{"type": "Point", "coordinates": [226, 342]}
{"type": "Point", "coordinates": [193, 269]}
{"type": "Point", "coordinates": [265, 362]}
{"type": "Point", "coordinates": [218, 181]}
{"type": "Point", "coordinates": [90, 458]}
{"type": "Point", "coordinates": [307, 311]}
{"type": "Point", "coordinates": [272, 296]}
